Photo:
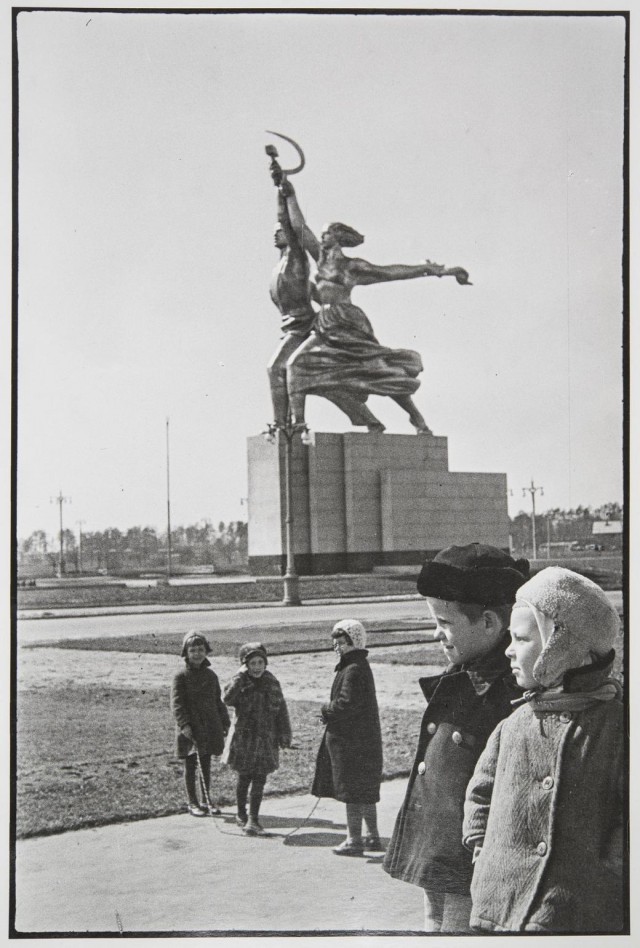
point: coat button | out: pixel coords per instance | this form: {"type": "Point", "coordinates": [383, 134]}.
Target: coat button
{"type": "Point", "coordinates": [547, 783]}
{"type": "Point", "coordinates": [432, 727]}
{"type": "Point", "coordinates": [421, 767]}
{"type": "Point", "coordinates": [565, 717]}
{"type": "Point", "coordinates": [541, 848]}
{"type": "Point", "coordinates": [456, 737]}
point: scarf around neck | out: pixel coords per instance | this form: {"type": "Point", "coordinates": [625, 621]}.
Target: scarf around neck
{"type": "Point", "coordinates": [556, 699]}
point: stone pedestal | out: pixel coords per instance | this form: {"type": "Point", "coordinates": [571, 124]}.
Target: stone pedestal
{"type": "Point", "coordinates": [363, 500]}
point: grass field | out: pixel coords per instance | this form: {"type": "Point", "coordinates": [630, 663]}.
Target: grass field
{"type": "Point", "coordinates": [283, 639]}
{"type": "Point", "coordinates": [322, 587]}
{"type": "Point", "coordinates": [94, 755]}
{"type": "Point", "coordinates": [604, 570]}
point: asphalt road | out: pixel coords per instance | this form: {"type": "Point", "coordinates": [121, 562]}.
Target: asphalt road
{"type": "Point", "coordinates": [214, 620]}
{"type": "Point", "coordinates": [97, 626]}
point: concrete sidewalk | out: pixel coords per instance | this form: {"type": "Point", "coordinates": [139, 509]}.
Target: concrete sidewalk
{"type": "Point", "coordinates": [181, 874]}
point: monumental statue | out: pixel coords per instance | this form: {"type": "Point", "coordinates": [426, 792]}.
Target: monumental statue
{"type": "Point", "coordinates": [291, 292]}
{"type": "Point", "coordinates": [340, 359]}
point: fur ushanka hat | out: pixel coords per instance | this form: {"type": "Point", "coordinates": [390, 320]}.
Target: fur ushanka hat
{"type": "Point", "coordinates": [577, 620]}
{"type": "Point", "coordinates": [354, 629]}
{"type": "Point", "coordinates": [250, 649]}
{"type": "Point", "coordinates": [197, 636]}
{"type": "Point", "coordinates": [475, 573]}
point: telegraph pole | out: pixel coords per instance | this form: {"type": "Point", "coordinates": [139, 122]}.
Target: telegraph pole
{"type": "Point", "coordinates": [168, 510]}
{"type": "Point", "coordinates": [60, 500]}
{"type": "Point", "coordinates": [80, 524]}
{"type": "Point", "coordinates": [533, 490]}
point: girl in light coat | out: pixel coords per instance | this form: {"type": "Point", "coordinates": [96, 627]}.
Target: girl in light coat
{"type": "Point", "coordinates": [543, 810]}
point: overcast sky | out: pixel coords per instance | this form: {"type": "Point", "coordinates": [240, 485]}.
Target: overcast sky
{"type": "Point", "coordinates": [146, 218]}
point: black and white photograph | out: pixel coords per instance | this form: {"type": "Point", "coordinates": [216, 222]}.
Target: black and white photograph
{"type": "Point", "coordinates": [320, 379]}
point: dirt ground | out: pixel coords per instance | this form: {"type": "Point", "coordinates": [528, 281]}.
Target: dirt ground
{"type": "Point", "coordinates": [305, 677]}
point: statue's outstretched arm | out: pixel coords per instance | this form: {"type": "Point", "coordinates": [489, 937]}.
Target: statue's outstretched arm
{"type": "Point", "coordinates": [305, 234]}
{"type": "Point", "coordinates": [365, 272]}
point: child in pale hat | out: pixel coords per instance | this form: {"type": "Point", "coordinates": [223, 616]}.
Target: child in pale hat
{"type": "Point", "coordinates": [202, 720]}
{"type": "Point", "coordinates": [469, 591]}
{"type": "Point", "coordinates": [259, 730]}
{"type": "Point", "coordinates": [543, 810]}
{"type": "Point", "coordinates": [349, 762]}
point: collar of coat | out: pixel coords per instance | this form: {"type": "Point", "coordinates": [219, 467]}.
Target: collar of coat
{"type": "Point", "coordinates": [205, 664]}
{"type": "Point", "coordinates": [356, 655]}
{"type": "Point", "coordinates": [482, 673]}
{"type": "Point", "coordinates": [589, 677]}
{"type": "Point", "coordinates": [581, 687]}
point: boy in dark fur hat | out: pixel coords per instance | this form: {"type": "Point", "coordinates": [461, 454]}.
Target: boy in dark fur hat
{"type": "Point", "coordinates": [470, 591]}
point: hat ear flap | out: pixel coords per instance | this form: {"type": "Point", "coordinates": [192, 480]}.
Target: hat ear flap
{"type": "Point", "coordinates": [563, 651]}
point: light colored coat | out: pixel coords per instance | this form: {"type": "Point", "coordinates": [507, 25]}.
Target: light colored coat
{"type": "Point", "coordinates": [545, 799]}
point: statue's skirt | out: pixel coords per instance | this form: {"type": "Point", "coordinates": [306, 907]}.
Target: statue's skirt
{"type": "Point", "coordinates": [342, 354]}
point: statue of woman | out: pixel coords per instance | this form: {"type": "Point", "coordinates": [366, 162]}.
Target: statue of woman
{"type": "Point", "coordinates": [342, 353]}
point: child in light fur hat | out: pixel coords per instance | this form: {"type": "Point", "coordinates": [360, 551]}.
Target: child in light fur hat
{"type": "Point", "coordinates": [544, 809]}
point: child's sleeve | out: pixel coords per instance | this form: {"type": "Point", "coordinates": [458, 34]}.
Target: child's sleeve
{"type": "Point", "coordinates": [479, 792]}
{"type": "Point", "coordinates": [179, 703]}
{"type": "Point", "coordinates": [350, 700]}
{"type": "Point", "coordinates": [234, 688]}
{"type": "Point", "coordinates": [615, 849]}
{"type": "Point", "coordinates": [222, 708]}
{"type": "Point", "coordinates": [283, 724]}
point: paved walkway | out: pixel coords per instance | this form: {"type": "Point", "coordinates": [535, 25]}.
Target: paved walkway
{"type": "Point", "coordinates": [180, 874]}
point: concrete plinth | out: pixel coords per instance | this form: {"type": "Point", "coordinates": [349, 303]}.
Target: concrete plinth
{"type": "Point", "coordinates": [362, 500]}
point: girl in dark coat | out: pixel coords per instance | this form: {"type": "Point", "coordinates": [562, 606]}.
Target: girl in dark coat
{"type": "Point", "coordinates": [349, 764]}
{"type": "Point", "coordinates": [260, 728]}
{"type": "Point", "coordinates": [202, 721]}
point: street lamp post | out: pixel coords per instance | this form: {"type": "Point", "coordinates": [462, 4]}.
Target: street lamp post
{"type": "Point", "coordinates": [291, 591]}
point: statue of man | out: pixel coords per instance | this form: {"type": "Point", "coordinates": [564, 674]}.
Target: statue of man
{"type": "Point", "coordinates": [290, 291]}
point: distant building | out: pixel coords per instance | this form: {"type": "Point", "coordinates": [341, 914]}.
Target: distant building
{"type": "Point", "coordinates": [607, 526]}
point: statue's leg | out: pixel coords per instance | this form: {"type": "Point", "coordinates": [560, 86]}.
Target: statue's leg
{"type": "Point", "coordinates": [415, 416]}
{"type": "Point", "coordinates": [356, 411]}
{"type": "Point", "coordinates": [277, 370]}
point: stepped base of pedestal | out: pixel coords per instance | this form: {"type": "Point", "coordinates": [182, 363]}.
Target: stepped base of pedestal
{"type": "Point", "coordinates": [362, 500]}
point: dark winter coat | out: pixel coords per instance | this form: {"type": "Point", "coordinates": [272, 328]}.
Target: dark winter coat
{"type": "Point", "coordinates": [426, 847]}
{"type": "Point", "coordinates": [546, 796]}
{"type": "Point", "coordinates": [196, 700]}
{"type": "Point", "coordinates": [260, 723]}
{"type": "Point", "coordinates": [349, 763]}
